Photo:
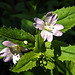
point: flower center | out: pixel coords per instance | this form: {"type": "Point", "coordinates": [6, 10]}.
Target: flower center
{"type": "Point", "coordinates": [14, 49]}
{"type": "Point", "coordinates": [48, 27]}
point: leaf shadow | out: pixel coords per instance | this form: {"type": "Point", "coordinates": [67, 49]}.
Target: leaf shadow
{"type": "Point", "coordinates": [56, 45]}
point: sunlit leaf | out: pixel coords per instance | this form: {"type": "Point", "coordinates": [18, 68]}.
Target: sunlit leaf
{"type": "Point", "coordinates": [28, 61]}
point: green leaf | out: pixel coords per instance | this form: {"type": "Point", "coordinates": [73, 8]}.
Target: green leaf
{"type": "Point", "coordinates": [1, 45]}
{"type": "Point", "coordinates": [66, 17]}
{"type": "Point", "coordinates": [26, 67]}
{"type": "Point", "coordinates": [16, 34]}
{"type": "Point", "coordinates": [28, 61]}
{"type": "Point", "coordinates": [50, 61]}
{"type": "Point", "coordinates": [72, 67]}
{"type": "Point", "coordinates": [67, 53]}
{"type": "Point", "coordinates": [49, 53]}
{"type": "Point", "coordinates": [49, 65]}
{"type": "Point", "coordinates": [27, 25]}
{"type": "Point", "coordinates": [1, 57]}
{"type": "Point", "coordinates": [47, 45]}
{"type": "Point", "coordinates": [67, 22]}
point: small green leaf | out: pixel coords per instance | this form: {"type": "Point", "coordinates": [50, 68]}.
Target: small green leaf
{"type": "Point", "coordinates": [47, 44]}
{"type": "Point", "coordinates": [49, 65]}
{"type": "Point", "coordinates": [49, 53]}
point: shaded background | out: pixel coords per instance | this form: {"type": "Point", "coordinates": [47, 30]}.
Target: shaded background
{"type": "Point", "coordinates": [13, 12]}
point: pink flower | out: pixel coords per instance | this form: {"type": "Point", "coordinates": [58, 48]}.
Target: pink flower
{"type": "Point", "coordinates": [11, 52]}
{"type": "Point", "coordinates": [49, 28]}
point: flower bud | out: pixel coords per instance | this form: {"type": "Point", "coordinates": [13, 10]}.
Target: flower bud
{"type": "Point", "coordinates": [25, 42]}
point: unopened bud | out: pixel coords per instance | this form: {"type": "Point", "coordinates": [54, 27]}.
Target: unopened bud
{"type": "Point", "coordinates": [26, 42]}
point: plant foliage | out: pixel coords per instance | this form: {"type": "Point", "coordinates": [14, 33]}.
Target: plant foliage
{"type": "Point", "coordinates": [48, 55]}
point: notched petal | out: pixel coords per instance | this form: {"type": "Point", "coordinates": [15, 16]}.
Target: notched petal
{"type": "Point", "coordinates": [54, 19]}
{"type": "Point", "coordinates": [38, 26]}
{"type": "Point", "coordinates": [49, 14]}
{"type": "Point", "coordinates": [39, 21]}
{"type": "Point", "coordinates": [34, 24]}
{"type": "Point", "coordinates": [48, 18]}
{"type": "Point", "coordinates": [54, 16]}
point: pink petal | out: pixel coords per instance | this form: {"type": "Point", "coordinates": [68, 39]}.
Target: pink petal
{"type": "Point", "coordinates": [8, 58]}
{"type": "Point", "coordinates": [39, 21]}
{"type": "Point", "coordinates": [57, 33]}
{"type": "Point", "coordinates": [43, 34]}
{"type": "Point", "coordinates": [48, 17]}
{"type": "Point", "coordinates": [49, 37]}
{"type": "Point", "coordinates": [58, 27]}
{"type": "Point", "coordinates": [8, 43]}
{"type": "Point", "coordinates": [38, 26]}
{"type": "Point", "coordinates": [4, 52]}
{"type": "Point", "coordinates": [54, 19]}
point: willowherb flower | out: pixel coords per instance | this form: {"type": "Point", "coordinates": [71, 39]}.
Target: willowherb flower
{"type": "Point", "coordinates": [49, 28]}
{"type": "Point", "coordinates": [11, 52]}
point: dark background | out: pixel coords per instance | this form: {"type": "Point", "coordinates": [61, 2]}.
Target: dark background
{"type": "Point", "coordinates": [13, 11]}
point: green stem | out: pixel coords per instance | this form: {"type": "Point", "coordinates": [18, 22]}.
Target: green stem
{"type": "Point", "coordinates": [51, 71]}
{"type": "Point", "coordinates": [37, 41]}
{"type": "Point", "coordinates": [67, 65]}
